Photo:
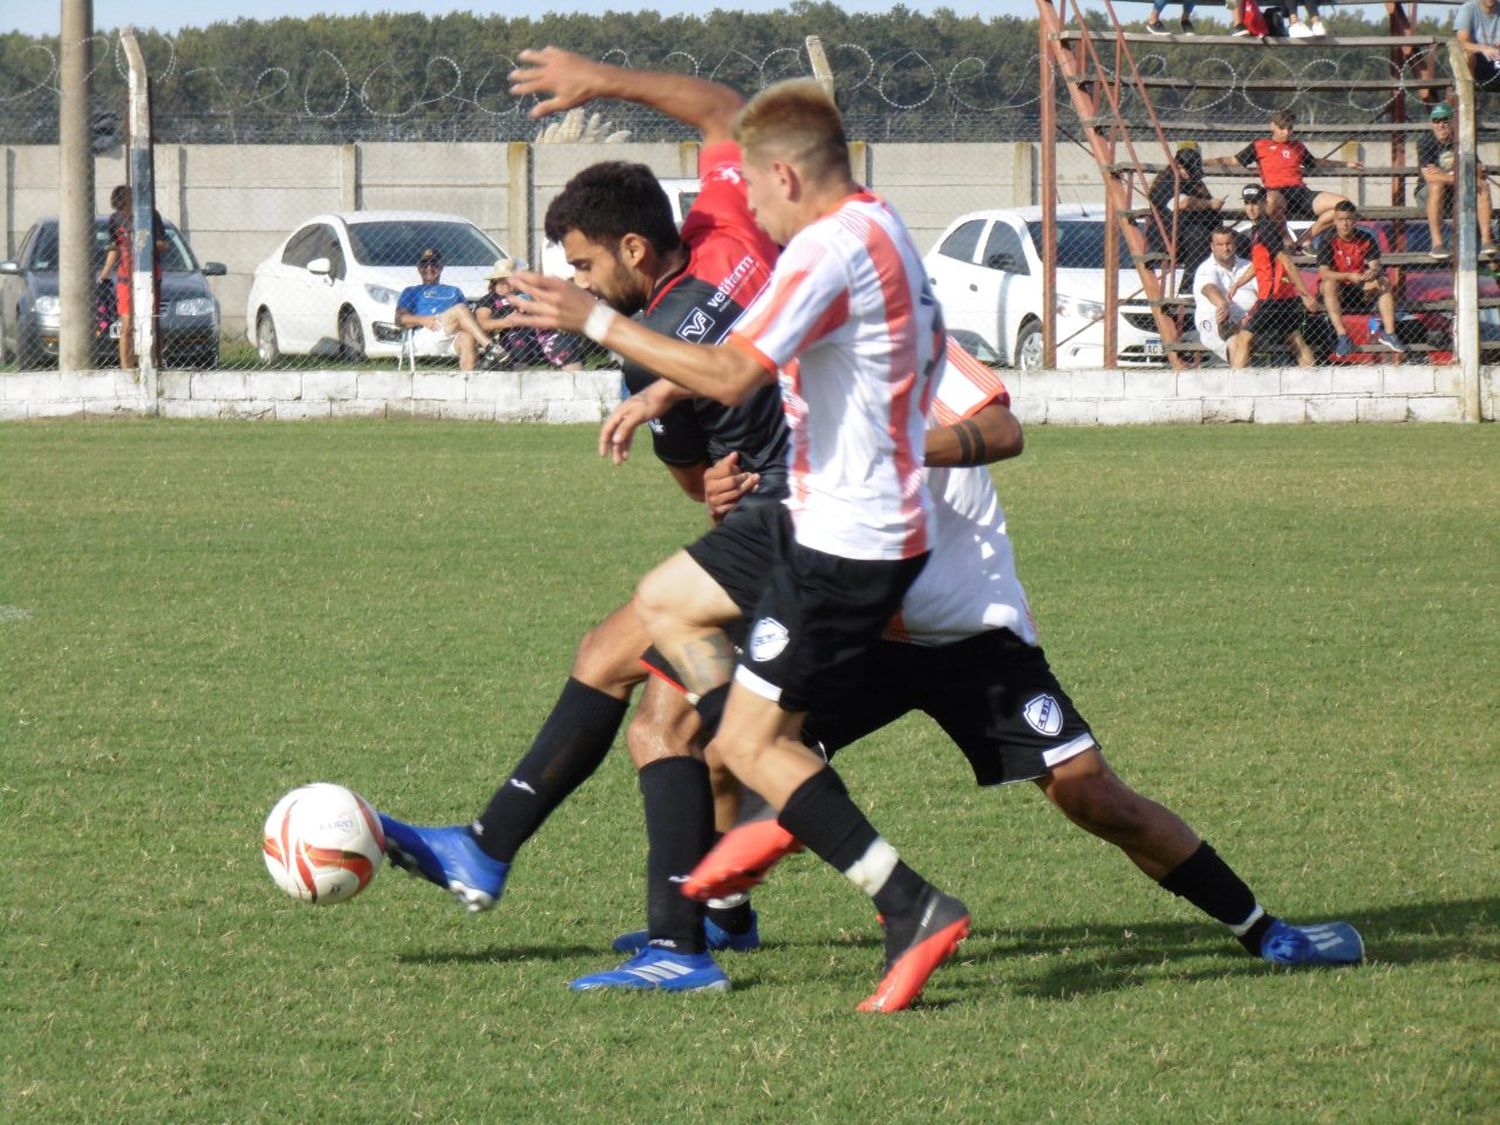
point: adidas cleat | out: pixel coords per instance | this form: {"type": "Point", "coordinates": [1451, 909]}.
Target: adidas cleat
{"type": "Point", "coordinates": [741, 860]}
{"type": "Point", "coordinates": [719, 939]}
{"type": "Point", "coordinates": [448, 857]}
{"type": "Point", "coordinates": [1328, 943]}
{"type": "Point", "coordinates": [944, 922]}
{"type": "Point", "coordinates": [660, 970]}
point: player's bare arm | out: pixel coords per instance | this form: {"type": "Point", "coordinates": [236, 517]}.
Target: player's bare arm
{"type": "Point", "coordinates": [993, 434]}
{"type": "Point", "coordinates": [725, 483]}
{"type": "Point", "coordinates": [619, 428]}
{"type": "Point", "coordinates": [572, 80]}
{"type": "Point", "coordinates": [726, 375]}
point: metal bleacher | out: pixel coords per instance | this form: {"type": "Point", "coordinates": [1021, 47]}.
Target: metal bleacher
{"type": "Point", "coordinates": [1132, 121]}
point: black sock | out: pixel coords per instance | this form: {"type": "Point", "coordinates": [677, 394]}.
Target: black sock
{"type": "Point", "coordinates": [679, 830]}
{"type": "Point", "coordinates": [710, 708]}
{"type": "Point", "coordinates": [568, 749]}
{"type": "Point", "coordinates": [820, 814]}
{"type": "Point", "coordinates": [1211, 885]}
{"type": "Point", "coordinates": [736, 919]}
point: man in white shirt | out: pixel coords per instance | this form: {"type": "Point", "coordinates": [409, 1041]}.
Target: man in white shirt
{"type": "Point", "coordinates": [1217, 316]}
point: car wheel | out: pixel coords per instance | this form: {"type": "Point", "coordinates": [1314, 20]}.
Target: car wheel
{"type": "Point", "coordinates": [265, 338]}
{"type": "Point", "coordinates": [29, 355]}
{"type": "Point", "coordinates": [351, 338]}
{"type": "Point", "coordinates": [4, 347]}
{"type": "Point", "coordinates": [1028, 353]}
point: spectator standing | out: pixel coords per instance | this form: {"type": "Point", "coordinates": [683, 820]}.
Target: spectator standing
{"type": "Point", "coordinates": [1477, 26]}
{"type": "Point", "coordinates": [1437, 157]}
{"type": "Point", "coordinates": [1281, 294]}
{"type": "Point", "coordinates": [119, 262]}
{"type": "Point", "coordinates": [1219, 317]}
{"type": "Point", "coordinates": [515, 346]}
{"type": "Point", "coordinates": [439, 315]}
{"type": "Point", "coordinates": [1182, 192]}
{"type": "Point", "coordinates": [1352, 280]}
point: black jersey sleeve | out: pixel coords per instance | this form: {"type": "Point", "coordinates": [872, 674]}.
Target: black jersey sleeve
{"type": "Point", "coordinates": [1247, 156]}
{"type": "Point", "coordinates": [677, 438]}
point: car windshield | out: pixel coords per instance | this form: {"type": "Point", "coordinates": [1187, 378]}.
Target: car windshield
{"type": "Point", "coordinates": [177, 258]}
{"type": "Point", "coordinates": [1080, 244]}
{"type": "Point", "coordinates": [399, 243]}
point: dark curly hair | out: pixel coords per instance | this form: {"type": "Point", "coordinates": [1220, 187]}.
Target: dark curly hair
{"type": "Point", "coordinates": [609, 200]}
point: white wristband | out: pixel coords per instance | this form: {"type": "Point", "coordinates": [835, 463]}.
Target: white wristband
{"type": "Point", "coordinates": [597, 323]}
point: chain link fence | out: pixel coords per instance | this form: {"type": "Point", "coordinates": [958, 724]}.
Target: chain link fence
{"type": "Point", "coordinates": [298, 202]}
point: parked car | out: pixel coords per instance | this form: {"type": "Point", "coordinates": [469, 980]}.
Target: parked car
{"type": "Point", "coordinates": [31, 314]}
{"type": "Point", "coordinates": [330, 284]}
{"type": "Point", "coordinates": [681, 193]}
{"type": "Point", "coordinates": [987, 271]}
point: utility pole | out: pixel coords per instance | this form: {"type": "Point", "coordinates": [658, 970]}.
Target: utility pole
{"type": "Point", "coordinates": [75, 251]}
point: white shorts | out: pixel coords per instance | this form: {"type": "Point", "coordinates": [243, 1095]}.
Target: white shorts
{"type": "Point", "coordinates": [1208, 336]}
{"type": "Point", "coordinates": [432, 342]}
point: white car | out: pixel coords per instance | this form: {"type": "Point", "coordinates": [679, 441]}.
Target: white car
{"type": "Point", "coordinates": [681, 193]}
{"type": "Point", "coordinates": [331, 287]}
{"type": "Point", "coordinates": [986, 269]}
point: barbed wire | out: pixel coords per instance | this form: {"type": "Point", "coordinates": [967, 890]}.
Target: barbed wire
{"type": "Point", "coordinates": [899, 94]}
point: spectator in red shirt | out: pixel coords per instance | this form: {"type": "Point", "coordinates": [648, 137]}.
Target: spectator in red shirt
{"type": "Point", "coordinates": [1282, 296]}
{"type": "Point", "coordinates": [1352, 280]}
{"type": "Point", "coordinates": [1281, 162]}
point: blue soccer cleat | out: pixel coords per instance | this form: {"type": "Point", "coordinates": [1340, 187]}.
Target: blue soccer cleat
{"type": "Point", "coordinates": [1328, 943]}
{"type": "Point", "coordinates": [661, 970]}
{"type": "Point", "coordinates": [719, 939]}
{"type": "Point", "coordinates": [448, 857]}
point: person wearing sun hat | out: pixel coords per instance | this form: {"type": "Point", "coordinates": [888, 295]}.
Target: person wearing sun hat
{"type": "Point", "coordinates": [519, 347]}
{"type": "Point", "coordinates": [1437, 157]}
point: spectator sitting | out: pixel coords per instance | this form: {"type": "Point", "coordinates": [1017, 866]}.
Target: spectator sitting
{"type": "Point", "coordinates": [1156, 27]}
{"type": "Point", "coordinates": [1477, 26]}
{"type": "Point", "coordinates": [439, 315]}
{"type": "Point", "coordinates": [1436, 157]}
{"type": "Point", "coordinates": [1281, 294]}
{"type": "Point", "coordinates": [1219, 318]}
{"type": "Point", "coordinates": [520, 347]}
{"type": "Point", "coordinates": [1185, 195]}
{"type": "Point", "coordinates": [1313, 28]}
{"type": "Point", "coordinates": [1352, 280]}
{"type": "Point", "coordinates": [1281, 162]}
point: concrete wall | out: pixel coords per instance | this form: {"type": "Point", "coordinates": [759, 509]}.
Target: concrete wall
{"type": "Point", "coordinates": [1265, 395]}
{"type": "Point", "coordinates": [237, 202]}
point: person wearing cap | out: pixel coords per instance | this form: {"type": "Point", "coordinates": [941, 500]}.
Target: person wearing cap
{"type": "Point", "coordinates": [1281, 294]}
{"type": "Point", "coordinates": [1184, 211]}
{"type": "Point", "coordinates": [519, 347]}
{"type": "Point", "coordinates": [1437, 157]}
{"type": "Point", "coordinates": [439, 315]}
{"type": "Point", "coordinates": [1477, 27]}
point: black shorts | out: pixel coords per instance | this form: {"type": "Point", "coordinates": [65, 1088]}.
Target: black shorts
{"type": "Point", "coordinates": [1299, 201]}
{"type": "Point", "coordinates": [994, 695]}
{"type": "Point", "coordinates": [1356, 298]}
{"type": "Point", "coordinates": [813, 617]}
{"type": "Point", "coordinates": [1272, 320]}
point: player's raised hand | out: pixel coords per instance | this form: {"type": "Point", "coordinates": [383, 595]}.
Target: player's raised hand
{"type": "Point", "coordinates": [570, 79]}
{"type": "Point", "coordinates": [724, 484]}
{"type": "Point", "coordinates": [551, 302]}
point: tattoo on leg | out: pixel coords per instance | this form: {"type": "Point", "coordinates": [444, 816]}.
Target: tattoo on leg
{"type": "Point", "coordinates": [708, 661]}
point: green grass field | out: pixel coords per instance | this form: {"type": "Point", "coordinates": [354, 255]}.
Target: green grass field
{"type": "Point", "coordinates": [1287, 634]}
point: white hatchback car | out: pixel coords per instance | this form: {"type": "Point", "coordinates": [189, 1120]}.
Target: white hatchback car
{"type": "Point", "coordinates": [326, 288]}
{"type": "Point", "coordinates": [986, 269]}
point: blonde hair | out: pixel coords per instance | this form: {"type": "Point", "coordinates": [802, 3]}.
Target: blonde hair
{"type": "Point", "coordinates": [796, 121]}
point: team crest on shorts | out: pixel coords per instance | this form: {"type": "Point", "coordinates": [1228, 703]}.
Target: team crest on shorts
{"type": "Point", "coordinates": [768, 640]}
{"type": "Point", "coordinates": [1044, 715]}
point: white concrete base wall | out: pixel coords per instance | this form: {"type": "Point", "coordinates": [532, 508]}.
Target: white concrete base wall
{"type": "Point", "coordinates": [1068, 398]}
{"type": "Point", "coordinates": [482, 396]}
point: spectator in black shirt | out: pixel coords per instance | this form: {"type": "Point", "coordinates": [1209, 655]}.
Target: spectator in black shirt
{"type": "Point", "coordinates": [1437, 157]}
{"type": "Point", "coordinates": [1179, 195]}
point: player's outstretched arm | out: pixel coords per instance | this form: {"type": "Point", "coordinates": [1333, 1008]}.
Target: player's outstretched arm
{"type": "Point", "coordinates": [994, 434]}
{"type": "Point", "coordinates": [727, 375]}
{"type": "Point", "coordinates": [571, 80]}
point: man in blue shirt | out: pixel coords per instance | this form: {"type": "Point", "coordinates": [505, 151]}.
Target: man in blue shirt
{"type": "Point", "coordinates": [440, 315]}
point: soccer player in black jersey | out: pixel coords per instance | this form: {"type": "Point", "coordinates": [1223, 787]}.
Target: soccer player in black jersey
{"type": "Point", "coordinates": [615, 225]}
